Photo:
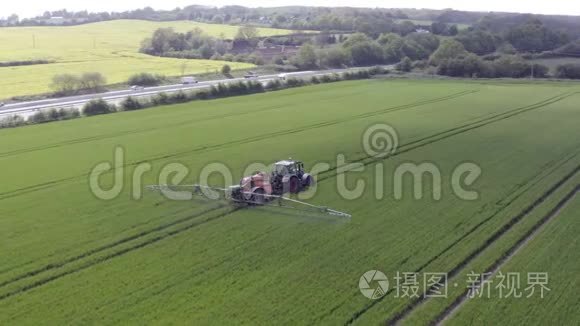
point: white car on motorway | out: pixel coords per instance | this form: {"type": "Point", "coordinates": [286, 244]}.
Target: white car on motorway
{"type": "Point", "coordinates": [137, 88]}
{"type": "Point", "coordinates": [189, 80]}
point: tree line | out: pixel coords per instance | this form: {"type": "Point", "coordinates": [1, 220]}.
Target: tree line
{"type": "Point", "coordinates": [194, 44]}
{"type": "Point", "coordinates": [317, 18]}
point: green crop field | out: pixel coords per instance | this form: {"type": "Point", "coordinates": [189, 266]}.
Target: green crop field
{"type": "Point", "coordinates": [71, 258]}
{"type": "Point", "coordinates": [107, 47]}
{"type": "Point", "coordinates": [556, 251]}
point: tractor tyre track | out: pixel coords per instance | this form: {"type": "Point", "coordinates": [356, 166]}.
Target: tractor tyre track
{"type": "Point", "coordinates": [106, 258]}
{"type": "Point", "coordinates": [89, 253]}
{"type": "Point", "coordinates": [111, 245]}
{"type": "Point", "coordinates": [487, 243]}
{"type": "Point", "coordinates": [162, 227]}
{"type": "Point", "coordinates": [172, 233]}
{"type": "Point", "coordinates": [315, 126]}
{"type": "Point", "coordinates": [248, 140]}
{"type": "Point", "coordinates": [526, 186]}
{"type": "Point", "coordinates": [146, 130]}
{"type": "Point", "coordinates": [508, 255]}
{"type": "Point", "coordinates": [367, 160]}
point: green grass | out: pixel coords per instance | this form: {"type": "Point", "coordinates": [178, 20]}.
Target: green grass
{"type": "Point", "coordinates": [107, 47]}
{"type": "Point", "coordinates": [554, 251]}
{"type": "Point", "coordinates": [158, 261]}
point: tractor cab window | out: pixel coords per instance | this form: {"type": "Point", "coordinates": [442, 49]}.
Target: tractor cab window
{"type": "Point", "coordinates": [299, 167]}
{"type": "Point", "coordinates": [281, 169]}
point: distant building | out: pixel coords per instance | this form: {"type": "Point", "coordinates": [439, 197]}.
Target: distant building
{"type": "Point", "coordinates": [422, 31]}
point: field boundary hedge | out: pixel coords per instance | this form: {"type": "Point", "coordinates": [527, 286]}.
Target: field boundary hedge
{"type": "Point", "coordinates": [221, 90]}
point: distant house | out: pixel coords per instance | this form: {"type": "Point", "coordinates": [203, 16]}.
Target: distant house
{"type": "Point", "coordinates": [422, 31]}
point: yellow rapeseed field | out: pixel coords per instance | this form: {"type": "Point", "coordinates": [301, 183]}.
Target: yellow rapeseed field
{"type": "Point", "coordinates": [107, 47]}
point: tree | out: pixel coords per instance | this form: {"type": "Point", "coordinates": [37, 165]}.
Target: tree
{"type": "Point", "coordinates": [439, 28]}
{"type": "Point", "coordinates": [280, 19]}
{"type": "Point", "coordinates": [512, 66]}
{"type": "Point", "coordinates": [355, 39]}
{"type": "Point", "coordinates": [570, 49]}
{"type": "Point", "coordinates": [533, 36]}
{"type": "Point", "coordinates": [406, 27]}
{"type": "Point", "coordinates": [468, 66]}
{"type": "Point", "coordinates": [453, 30]}
{"type": "Point", "coordinates": [449, 49]}
{"type": "Point", "coordinates": [226, 69]}
{"type": "Point", "coordinates": [334, 57]}
{"type": "Point", "coordinates": [65, 83]}
{"type": "Point", "coordinates": [130, 104]}
{"type": "Point", "coordinates": [507, 48]}
{"type": "Point", "coordinates": [418, 46]}
{"type": "Point", "coordinates": [206, 51]}
{"type": "Point", "coordinates": [427, 41]}
{"type": "Point", "coordinates": [478, 41]}
{"type": "Point", "coordinates": [159, 42]}
{"type": "Point", "coordinates": [278, 59]}
{"type": "Point", "coordinates": [388, 38]}
{"type": "Point", "coordinates": [98, 106]}
{"type": "Point", "coordinates": [12, 121]}
{"type": "Point", "coordinates": [247, 32]}
{"type": "Point", "coordinates": [38, 117]}
{"type": "Point", "coordinates": [363, 50]}
{"type": "Point", "coordinates": [54, 114]}
{"type": "Point", "coordinates": [539, 70]}
{"type": "Point", "coordinates": [256, 58]}
{"type": "Point", "coordinates": [393, 46]}
{"type": "Point", "coordinates": [92, 80]}
{"type": "Point", "coordinates": [569, 70]}
{"type": "Point", "coordinates": [405, 65]}
{"type": "Point", "coordinates": [306, 57]}
{"type": "Point", "coordinates": [366, 53]}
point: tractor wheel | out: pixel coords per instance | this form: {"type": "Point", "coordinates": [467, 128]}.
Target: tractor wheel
{"type": "Point", "coordinates": [294, 185]}
{"type": "Point", "coordinates": [306, 181]}
{"type": "Point", "coordinates": [258, 197]}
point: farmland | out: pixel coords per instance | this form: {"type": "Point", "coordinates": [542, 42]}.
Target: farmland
{"type": "Point", "coordinates": [69, 257]}
{"type": "Point", "coordinates": [107, 47]}
{"type": "Point", "coordinates": [555, 251]}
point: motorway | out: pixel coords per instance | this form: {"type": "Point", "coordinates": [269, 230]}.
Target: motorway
{"type": "Point", "coordinates": [28, 108]}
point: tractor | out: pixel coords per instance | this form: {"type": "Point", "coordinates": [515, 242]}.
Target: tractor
{"type": "Point", "coordinates": [262, 189]}
{"type": "Point", "coordinates": [288, 176]}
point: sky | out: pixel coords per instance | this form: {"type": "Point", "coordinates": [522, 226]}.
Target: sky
{"type": "Point", "coordinates": [28, 8]}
